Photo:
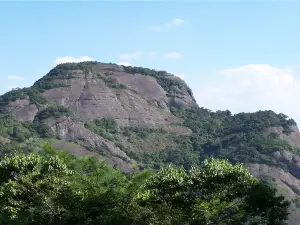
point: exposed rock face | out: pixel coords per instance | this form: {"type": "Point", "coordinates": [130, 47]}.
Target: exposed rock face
{"type": "Point", "coordinates": [183, 98]}
{"type": "Point", "coordinates": [133, 97]}
{"type": "Point", "coordinates": [293, 138]}
{"type": "Point", "coordinates": [286, 184]}
{"type": "Point", "coordinates": [70, 130]}
{"type": "Point", "coordinates": [23, 110]}
{"type": "Point", "coordinates": [146, 86]}
{"type": "Point", "coordinates": [284, 180]}
{"type": "Point", "coordinates": [141, 103]}
{"type": "Point", "coordinates": [107, 90]}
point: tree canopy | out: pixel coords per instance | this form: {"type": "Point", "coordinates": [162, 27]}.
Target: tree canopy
{"type": "Point", "coordinates": [57, 188]}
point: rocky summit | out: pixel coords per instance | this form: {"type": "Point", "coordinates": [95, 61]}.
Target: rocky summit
{"type": "Point", "coordinates": [135, 117]}
{"type": "Point", "coordinates": [89, 91]}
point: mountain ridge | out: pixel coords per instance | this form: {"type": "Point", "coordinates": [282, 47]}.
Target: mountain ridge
{"type": "Point", "coordinates": [137, 116]}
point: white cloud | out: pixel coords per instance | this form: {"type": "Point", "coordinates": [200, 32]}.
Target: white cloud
{"type": "Point", "coordinates": [173, 55]}
{"type": "Point", "coordinates": [177, 21]}
{"type": "Point", "coordinates": [174, 22]}
{"type": "Point", "coordinates": [14, 77]}
{"type": "Point", "coordinates": [251, 88]}
{"type": "Point", "coordinates": [68, 59]}
{"type": "Point", "coordinates": [124, 64]}
{"type": "Point", "coordinates": [130, 56]}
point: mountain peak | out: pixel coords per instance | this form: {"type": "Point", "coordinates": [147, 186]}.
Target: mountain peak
{"type": "Point", "coordinates": [135, 115]}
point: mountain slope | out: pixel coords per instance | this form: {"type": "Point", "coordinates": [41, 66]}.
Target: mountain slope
{"type": "Point", "coordinates": [68, 102]}
{"type": "Point", "coordinates": [138, 116]}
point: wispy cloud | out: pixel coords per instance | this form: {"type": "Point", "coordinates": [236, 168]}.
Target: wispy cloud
{"type": "Point", "coordinates": [130, 56]}
{"type": "Point", "coordinates": [174, 22]}
{"type": "Point", "coordinates": [68, 59]}
{"type": "Point", "coordinates": [172, 55]}
{"type": "Point", "coordinates": [177, 21]}
{"type": "Point", "coordinates": [14, 77]}
{"type": "Point", "coordinates": [251, 88]}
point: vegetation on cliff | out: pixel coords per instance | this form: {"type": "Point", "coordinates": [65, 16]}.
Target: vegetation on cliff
{"type": "Point", "coordinates": [162, 77]}
{"type": "Point", "coordinates": [238, 138]}
{"type": "Point", "coordinates": [235, 137]}
{"type": "Point", "coordinates": [61, 71]}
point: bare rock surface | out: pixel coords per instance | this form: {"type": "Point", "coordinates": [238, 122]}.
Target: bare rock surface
{"type": "Point", "coordinates": [289, 184]}
{"type": "Point", "coordinates": [140, 103]}
{"type": "Point", "coordinates": [293, 138]}
{"type": "Point", "coordinates": [70, 130]}
{"type": "Point", "coordinates": [134, 98]}
{"type": "Point", "coordinates": [286, 184]}
{"type": "Point", "coordinates": [22, 109]}
{"type": "Point", "coordinates": [104, 90]}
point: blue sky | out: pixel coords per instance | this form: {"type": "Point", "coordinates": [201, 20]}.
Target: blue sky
{"type": "Point", "coordinates": [241, 56]}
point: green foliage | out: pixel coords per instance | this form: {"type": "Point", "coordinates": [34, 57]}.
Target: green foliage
{"type": "Point", "coordinates": [44, 130]}
{"type": "Point", "coordinates": [54, 111]}
{"type": "Point", "coordinates": [140, 132]}
{"type": "Point", "coordinates": [172, 155]}
{"type": "Point", "coordinates": [41, 127]}
{"type": "Point", "coordinates": [93, 193]}
{"type": "Point", "coordinates": [21, 131]}
{"type": "Point", "coordinates": [105, 127]}
{"type": "Point", "coordinates": [169, 85]}
{"type": "Point", "coordinates": [47, 83]}
{"type": "Point", "coordinates": [239, 137]}
{"type": "Point", "coordinates": [246, 122]}
{"type": "Point", "coordinates": [215, 193]}
{"type": "Point", "coordinates": [261, 201]}
{"type": "Point", "coordinates": [11, 96]}
{"type": "Point", "coordinates": [110, 81]}
{"type": "Point", "coordinates": [30, 188]}
{"type": "Point", "coordinates": [10, 146]}
{"type": "Point", "coordinates": [16, 130]}
{"type": "Point", "coordinates": [296, 201]}
{"type": "Point", "coordinates": [57, 188]}
{"type": "Point", "coordinates": [61, 72]}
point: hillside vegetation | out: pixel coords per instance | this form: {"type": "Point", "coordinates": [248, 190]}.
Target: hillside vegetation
{"type": "Point", "coordinates": [136, 118]}
{"type": "Point", "coordinates": [235, 137]}
{"type": "Point", "coordinates": [56, 188]}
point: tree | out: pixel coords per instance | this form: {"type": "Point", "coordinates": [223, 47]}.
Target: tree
{"type": "Point", "coordinates": [31, 189]}
{"type": "Point", "coordinates": [216, 193]}
{"type": "Point", "coordinates": [58, 188]}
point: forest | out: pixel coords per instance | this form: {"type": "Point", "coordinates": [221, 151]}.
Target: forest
{"type": "Point", "coordinates": [54, 187]}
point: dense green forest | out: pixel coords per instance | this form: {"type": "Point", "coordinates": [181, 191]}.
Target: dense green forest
{"type": "Point", "coordinates": [238, 138]}
{"type": "Point", "coordinates": [56, 188]}
{"type": "Point", "coordinates": [235, 137]}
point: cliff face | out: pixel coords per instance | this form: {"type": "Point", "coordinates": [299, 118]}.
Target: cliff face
{"type": "Point", "coordinates": [106, 90]}
{"type": "Point", "coordinates": [133, 115]}
{"type": "Point", "coordinates": [133, 97]}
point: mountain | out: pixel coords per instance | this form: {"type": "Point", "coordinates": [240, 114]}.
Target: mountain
{"type": "Point", "coordinates": [137, 117]}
